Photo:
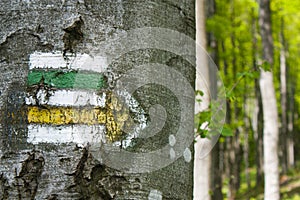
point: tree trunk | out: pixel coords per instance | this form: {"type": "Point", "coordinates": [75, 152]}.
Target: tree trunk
{"type": "Point", "coordinates": [270, 142]}
{"type": "Point", "coordinates": [246, 148]}
{"type": "Point", "coordinates": [227, 144]}
{"type": "Point", "coordinates": [235, 154]}
{"type": "Point", "coordinates": [286, 127]}
{"type": "Point", "coordinates": [290, 126]}
{"type": "Point", "coordinates": [216, 182]}
{"type": "Point", "coordinates": [216, 154]}
{"type": "Point", "coordinates": [271, 168]}
{"type": "Point", "coordinates": [257, 121]}
{"type": "Point", "coordinates": [61, 34]}
{"type": "Point", "coordinates": [202, 165]}
{"type": "Point", "coordinates": [258, 136]}
{"type": "Point", "coordinates": [283, 102]}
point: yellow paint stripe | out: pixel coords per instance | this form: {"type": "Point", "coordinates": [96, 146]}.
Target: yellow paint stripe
{"type": "Point", "coordinates": [66, 115]}
{"type": "Point", "coordinates": [73, 115]}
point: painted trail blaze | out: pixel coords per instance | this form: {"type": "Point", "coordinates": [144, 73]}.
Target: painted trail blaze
{"type": "Point", "coordinates": [64, 100]}
{"type": "Point", "coordinates": [66, 115]}
{"type": "Point", "coordinates": [66, 79]}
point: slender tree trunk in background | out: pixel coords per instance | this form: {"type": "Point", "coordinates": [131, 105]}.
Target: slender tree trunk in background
{"type": "Point", "coordinates": [246, 155]}
{"type": "Point", "coordinates": [211, 39]}
{"type": "Point", "coordinates": [292, 118]}
{"type": "Point", "coordinates": [271, 168]}
{"type": "Point", "coordinates": [290, 125]}
{"type": "Point", "coordinates": [286, 105]}
{"type": "Point", "coordinates": [247, 131]}
{"type": "Point", "coordinates": [258, 136]}
{"type": "Point", "coordinates": [283, 102]}
{"type": "Point", "coordinates": [69, 171]}
{"type": "Point", "coordinates": [227, 144]}
{"type": "Point", "coordinates": [258, 112]}
{"type": "Point", "coordinates": [235, 155]}
{"type": "Point", "coordinates": [216, 160]}
{"type": "Point", "coordinates": [202, 165]}
{"type": "Point", "coordinates": [216, 182]}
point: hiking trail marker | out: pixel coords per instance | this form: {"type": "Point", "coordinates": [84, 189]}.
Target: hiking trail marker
{"type": "Point", "coordinates": [66, 102]}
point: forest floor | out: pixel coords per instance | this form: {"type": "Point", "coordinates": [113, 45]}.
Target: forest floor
{"type": "Point", "coordinates": [289, 186]}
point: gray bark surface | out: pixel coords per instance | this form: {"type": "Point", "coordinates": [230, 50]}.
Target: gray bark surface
{"type": "Point", "coordinates": [68, 171]}
{"type": "Point", "coordinates": [270, 113]}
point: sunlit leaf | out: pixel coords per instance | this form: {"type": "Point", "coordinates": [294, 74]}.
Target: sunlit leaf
{"type": "Point", "coordinates": [227, 132]}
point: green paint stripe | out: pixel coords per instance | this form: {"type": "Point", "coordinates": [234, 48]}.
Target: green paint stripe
{"type": "Point", "coordinates": [70, 79]}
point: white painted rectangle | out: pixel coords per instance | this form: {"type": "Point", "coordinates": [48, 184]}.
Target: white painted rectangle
{"type": "Point", "coordinates": [67, 98]}
{"type": "Point", "coordinates": [56, 60]}
{"type": "Point", "coordinates": [79, 134]}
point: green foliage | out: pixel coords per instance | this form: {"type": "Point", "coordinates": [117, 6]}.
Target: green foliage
{"type": "Point", "coordinates": [204, 123]}
{"type": "Point", "coordinates": [227, 131]}
{"type": "Point", "coordinates": [235, 27]}
{"type": "Point", "coordinates": [200, 119]}
{"type": "Point", "coordinates": [199, 94]}
{"type": "Point", "coordinates": [219, 26]}
{"type": "Point", "coordinates": [265, 66]}
{"type": "Point", "coordinates": [248, 74]}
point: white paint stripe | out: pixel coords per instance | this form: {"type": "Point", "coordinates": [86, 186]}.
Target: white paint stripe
{"type": "Point", "coordinates": [66, 98]}
{"type": "Point", "coordinates": [79, 134]}
{"type": "Point", "coordinates": [56, 61]}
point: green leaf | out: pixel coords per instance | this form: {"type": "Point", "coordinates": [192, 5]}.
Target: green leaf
{"type": "Point", "coordinates": [199, 92]}
{"type": "Point", "coordinates": [198, 100]}
{"type": "Point", "coordinates": [266, 66]}
{"type": "Point", "coordinates": [201, 118]}
{"type": "Point", "coordinates": [230, 96]}
{"type": "Point", "coordinates": [249, 74]}
{"type": "Point", "coordinates": [255, 74]}
{"type": "Point", "coordinates": [227, 132]}
{"type": "Point", "coordinates": [240, 75]}
{"type": "Point", "coordinates": [203, 133]}
{"type": "Point", "coordinates": [222, 140]}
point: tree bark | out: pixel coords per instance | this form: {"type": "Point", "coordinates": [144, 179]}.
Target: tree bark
{"type": "Point", "coordinates": [68, 170]}
{"type": "Point", "coordinates": [216, 157]}
{"type": "Point", "coordinates": [235, 153]}
{"type": "Point", "coordinates": [257, 120]}
{"type": "Point", "coordinates": [202, 165]}
{"type": "Point", "coordinates": [290, 126]}
{"type": "Point", "coordinates": [286, 110]}
{"type": "Point", "coordinates": [270, 142]}
{"type": "Point", "coordinates": [283, 102]}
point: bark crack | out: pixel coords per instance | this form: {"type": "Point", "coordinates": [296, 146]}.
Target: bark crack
{"type": "Point", "coordinates": [96, 181]}
{"type": "Point", "coordinates": [4, 187]}
{"type": "Point", "coordinates": [28, 178]}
